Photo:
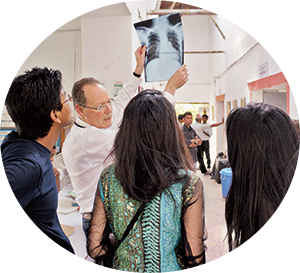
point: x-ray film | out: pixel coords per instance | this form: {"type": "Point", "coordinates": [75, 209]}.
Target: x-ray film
{"type": "Point", "coordinates": [163, 37]}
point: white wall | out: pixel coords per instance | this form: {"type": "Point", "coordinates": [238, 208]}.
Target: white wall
{"type": "Point", "coordinates": [237, 67]}
{"type": "Point", "coordinates": [196, 38]}
{"type": "Point", "coordinates": [293, 108]}
{"type": "Point", "coordinates": [60, 50]}
{"type": "Point", "coordinates": [106, 51]}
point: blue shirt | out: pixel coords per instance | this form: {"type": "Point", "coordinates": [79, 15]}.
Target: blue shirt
{"type": "Point", "coordinates": [30, 174]}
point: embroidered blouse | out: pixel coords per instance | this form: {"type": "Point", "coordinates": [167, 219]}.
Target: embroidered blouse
{"type": "Point", "coordinates": [163, 239]}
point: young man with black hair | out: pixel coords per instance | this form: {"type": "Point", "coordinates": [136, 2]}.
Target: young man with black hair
{"type": "Point", "coordinates": [192, 140]}
{"type": "Point", "coordinates": [40, 109]}
{"type": "Point", "coordinates": [180, 120]}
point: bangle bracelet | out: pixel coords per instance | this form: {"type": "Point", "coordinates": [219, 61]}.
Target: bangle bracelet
{"type": "Point", "coordinates": [136, 75]}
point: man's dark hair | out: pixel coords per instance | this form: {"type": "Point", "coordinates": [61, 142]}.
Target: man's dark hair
{"type": "Point", "coordinates": [205, 116]}
{"type": "Point", "coordinates": [180, 116]}
{"type": "Point", "coordinates": [31, 99]}
{"type": "Point", "coordinates": [78, 96]}
{"type": "Point", "coordinates": [187, 114]}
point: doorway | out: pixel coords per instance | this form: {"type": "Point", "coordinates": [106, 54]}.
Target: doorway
{"type": "Point", "coordinates": [194, 108]}
{"type": "Point", "coordinates": [220, 135]}
{"type": "Point", "coordinates": [273, 90]}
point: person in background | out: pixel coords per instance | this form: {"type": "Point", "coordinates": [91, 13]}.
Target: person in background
{"type": "Point", "coordinates": [91, 138]}
{"type": "Point", "coordinates": [40, 109]}
{"type": "Point", "coordinates": [263, 148]}
{"type": "Point", "coordinates": [56, 172]}
{"type": "Point", "coordinates": [296, 122]}
{"type": "Point", "coordinates": [191, 138]}
{"type": "Point", "coordinates": [152, 166]}
{"type": "Point", "coordinates": [204, 131]}
{"type": "Point", "coordinates": [180, 120]}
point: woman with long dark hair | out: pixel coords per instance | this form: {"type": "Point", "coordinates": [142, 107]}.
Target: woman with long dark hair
{"type": "Point", "coordinates": [152, 167]}
{"type": "Point", "coordinates": [263, 148]}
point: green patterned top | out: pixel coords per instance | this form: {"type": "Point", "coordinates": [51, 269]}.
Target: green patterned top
{"type": "Point", "coordinates": [153, 244]}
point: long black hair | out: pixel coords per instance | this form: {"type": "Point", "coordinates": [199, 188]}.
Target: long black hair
{"type": "Point", "coordinates": [149, 148]}
{"type": "Point", "coordinates": [263, 148]}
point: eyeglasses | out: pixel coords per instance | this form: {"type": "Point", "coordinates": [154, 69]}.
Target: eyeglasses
{"type": "Point", "coordinates": [101, 107]}
{"type": "Point", "coordinates": [67, 100]}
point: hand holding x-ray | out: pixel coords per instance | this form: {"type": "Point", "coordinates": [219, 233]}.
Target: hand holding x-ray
{"type": "Point", "coordinates": [140, 59]}
{"type": "Point", "coordinates": [163, 37]}
{"type": "Point", "coordinates": [179, 78]}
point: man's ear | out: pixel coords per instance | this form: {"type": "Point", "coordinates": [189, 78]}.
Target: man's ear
{"type": "Point", "coordinates": [55, 116]}
{"type": "Point", "coordinates": [79, 111]}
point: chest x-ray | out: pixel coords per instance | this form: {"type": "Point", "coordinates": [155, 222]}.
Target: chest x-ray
{"type": "Point", "coordinates": [163, 37]}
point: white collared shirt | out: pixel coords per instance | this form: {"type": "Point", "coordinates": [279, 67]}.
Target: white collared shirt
{"type": "Point", "coordinates": [85, 149]}
{"type": "Point", "coordinates": [199, 128]}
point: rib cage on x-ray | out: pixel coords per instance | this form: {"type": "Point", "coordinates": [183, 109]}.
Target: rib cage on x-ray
{"type": "Point", "coordinates": [154, 45]}
{"type": "Point", "coordinates": [163, 37]}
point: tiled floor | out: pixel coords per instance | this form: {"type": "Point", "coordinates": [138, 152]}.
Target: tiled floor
{"type": "Point", "coordinates": [215, 219]}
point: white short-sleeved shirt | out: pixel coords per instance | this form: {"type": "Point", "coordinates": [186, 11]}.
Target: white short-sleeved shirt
{"type": "Point", "coordinates": [199, 128]}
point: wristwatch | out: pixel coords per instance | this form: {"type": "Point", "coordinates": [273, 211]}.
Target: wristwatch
{"type": "Point", "coordinates": [136, 75]}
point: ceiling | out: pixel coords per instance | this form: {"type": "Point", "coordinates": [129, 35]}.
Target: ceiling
{"type": "Point", "coordinates": [168, 6]}
{"type": "Point", "coordinates": [174, 5]}
{"type": "Point", "coordinates": [161, 8]}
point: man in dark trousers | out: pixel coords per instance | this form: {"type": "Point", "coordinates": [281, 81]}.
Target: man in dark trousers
{"type": "Point", "coordinates": [205, 132]}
